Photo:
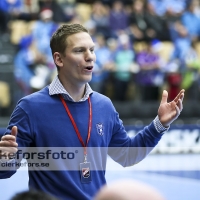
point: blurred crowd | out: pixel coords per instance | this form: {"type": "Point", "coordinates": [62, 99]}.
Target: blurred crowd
{"type": "Point", "coordinates": [129, 35]}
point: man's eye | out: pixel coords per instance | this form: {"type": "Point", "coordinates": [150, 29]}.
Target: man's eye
{"type": "Point", "coordinates": [78, 50]}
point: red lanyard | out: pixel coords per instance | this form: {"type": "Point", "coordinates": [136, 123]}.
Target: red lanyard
{"type": "Point", "coordinates": [74, 124]}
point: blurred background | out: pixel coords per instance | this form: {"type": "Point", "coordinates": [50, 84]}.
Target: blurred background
{"type": "Point", "coordinates": [142, 47]}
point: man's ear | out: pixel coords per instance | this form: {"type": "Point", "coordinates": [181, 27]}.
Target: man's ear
{"type": "Point", "coordinates": [58, 59]}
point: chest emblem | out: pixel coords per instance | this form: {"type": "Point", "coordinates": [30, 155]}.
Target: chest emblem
{"type": "Point", "coordinates": [99, 127]}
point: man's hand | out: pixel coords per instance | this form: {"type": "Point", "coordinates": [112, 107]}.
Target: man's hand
{"type": "Point", "coordinates": [8, 144]}
{"type": "Point", "coordinates": [168, 112]}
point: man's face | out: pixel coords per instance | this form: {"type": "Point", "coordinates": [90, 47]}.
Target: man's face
{"type": "Point", "coordinates": [78, 59]}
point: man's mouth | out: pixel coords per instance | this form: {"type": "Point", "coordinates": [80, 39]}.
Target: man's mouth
{"type": "Point", "coordinates": [89, 68]}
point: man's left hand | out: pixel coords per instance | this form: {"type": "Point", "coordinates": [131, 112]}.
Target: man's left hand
{"type": "Point", "coordinates": [168, 112]}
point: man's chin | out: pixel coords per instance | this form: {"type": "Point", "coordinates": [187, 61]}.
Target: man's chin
{"type": "Point", "coordinates": [85, 81]}
{"type": "Point", "coordinates": [87, 78]}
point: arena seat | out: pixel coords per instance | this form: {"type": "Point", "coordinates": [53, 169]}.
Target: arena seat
{"type": "Point", "coordinates": [166, 50]}
{"type": "Point", "coordinates": [19, 28]}
{"type": "Point", "coordinates": [84, 11]}
{"type": "Point", "coordinates": [197, 47]}
{"type": "Point", "coordinates": [4, 94]}
{"type": "Point", "coordinates": [139, 46]}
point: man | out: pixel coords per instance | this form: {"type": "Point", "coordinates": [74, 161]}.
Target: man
{"type": "Point", "coordinates": [67, 113]}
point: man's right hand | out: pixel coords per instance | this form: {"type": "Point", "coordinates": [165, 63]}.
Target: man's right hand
{"type": "Point", "coordinates": [8, 144]}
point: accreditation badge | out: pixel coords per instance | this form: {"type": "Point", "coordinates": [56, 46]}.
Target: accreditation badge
{"type": "Point", "coordinates": [85, 172]}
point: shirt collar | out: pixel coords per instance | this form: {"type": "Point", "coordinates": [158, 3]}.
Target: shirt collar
{"type": "Point", "coordinates": [56, 87]}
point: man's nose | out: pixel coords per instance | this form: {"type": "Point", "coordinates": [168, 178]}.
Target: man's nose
{"type": "Point", "coordinates": [90, 56]}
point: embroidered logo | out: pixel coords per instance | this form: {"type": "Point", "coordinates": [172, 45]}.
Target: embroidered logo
{"type": "Point", "coordinates": [99, 127]}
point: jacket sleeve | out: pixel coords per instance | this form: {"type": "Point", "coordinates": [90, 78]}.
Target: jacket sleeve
{"type": "Point", "coordinates": [127, 150]}
{"type": "Point", "coordinates": [20, 119]}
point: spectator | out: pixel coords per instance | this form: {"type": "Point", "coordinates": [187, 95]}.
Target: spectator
{"type": "Point", "coordinates": [196, 4]}
{"type": "Point", "coordinates": [29, 10]}
{"type": "Point", "coordinates": [124, 65]}
{"type": "Point", "coordinates": [159, 6]}
{"type": "Point", "coordinates": [176, 66]}
{"type": "Point", "coordinates": [91, 26]}
{"type": "Point", "coordinates": [69, 10]}
{"type": "Point", "coordinates": [8, 10]}
{"type": "Point", "coordinates": [100, 16]}
{"type": "Point", "coordinates": [31, 72]}
{"type": "Point", "coordinates": [188, 17]}
{"type": "Point", "coordinates": [171, 7]}
{"type": "Point", "coordinates": [112, 44]}
{"type": "Point", "coordinates": [23, 61]}
{"type": "Point", "coordinates": [176, 6]}
{"type": "Point", "coordinates": [150, 77]}
{"type": "Point", "coordinates": [182, 41]}
{"type": "Point", "coordinates": [191, 74]}
{"type": "Point", "coordinates": [58, 12]}
{"type": "Point", "coordinates": [118, 19]}
{"type": "Point", "coordinates": [17, 9]}
{"type": "Point", "coordinates": [174, 10]}
{"type": "Point", "coordinates": [42, 32]}
{"type": "Point", "coordinates": [101, 68]}
{"type": "Point", "coordinates": [156, 23]}
{"type": "Point", "coordinates": [139, 29]}
{"type": "Point", "coordinates": [173, 79]}
{"type": "Point", "coordinates": [170, 10]}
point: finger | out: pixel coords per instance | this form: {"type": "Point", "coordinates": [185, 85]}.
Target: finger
{"type": "Point", "coordinates": [182, 97]}
{"type": "Point", "coordinates": [179, 95]}
{"type": "Point", "coordinates": [8, 137]}
{"type": "Point", "coordinates": [180, 105]}
{"type": "Point", "coordinates": [14, 131]}
{"type": "Point", "coordinates": [164, 97]}
{"type": "Point", "coordinates": [177, 111]}
{"type": "Point", "coordinates": [174, 105]}
{"type": "Point", "coordinates": [8, 143]}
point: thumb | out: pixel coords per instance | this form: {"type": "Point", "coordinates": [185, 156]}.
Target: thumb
{"type": "Point", "coordinates": [164, 97]}
{"type": "Point", "coordinates": [14, 131]}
